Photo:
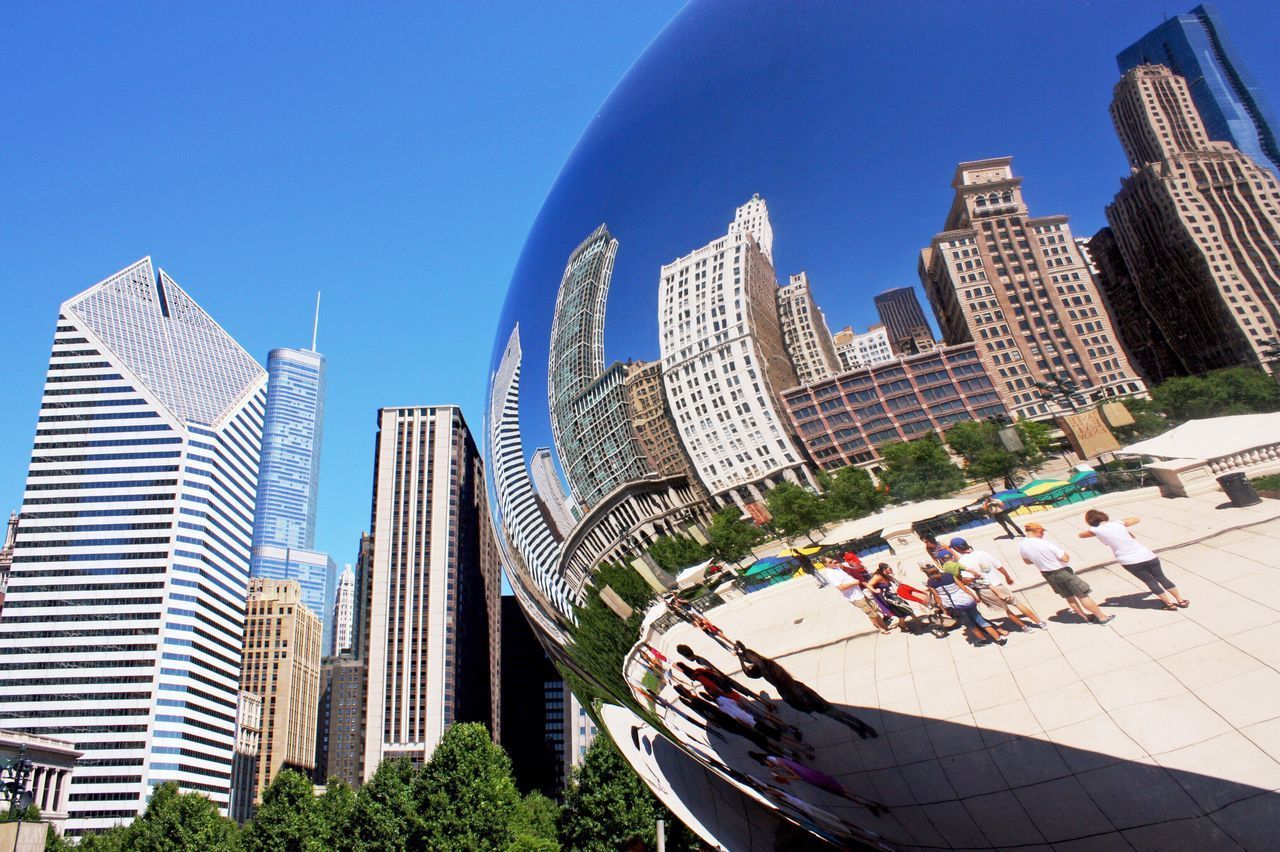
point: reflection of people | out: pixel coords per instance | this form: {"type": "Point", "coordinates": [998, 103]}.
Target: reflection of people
{"type": "Point", "coordinates": [855, 593]}
{"type": "Point", "coordinates": [794, 693]}
{"type": "Point", "coordinates": [993, 583]}
{"type": "Point", "coordinates": [1051, 558]}
{"type": "Point", "coordinates": [1136, 558]}
{"type": "Point", "coordinates": [998, 512]}
{"type": "Point", "coordinates": [806, 565]}
{"type": "Point", "coordinates": [884, 584]}
{"type": "Point", "coordinates": [785, 770]}
{"type": "Point", "coordinates": [953, 595]}
{"type": "Point", "coordinates": [762, 734]}
{"type": "Point", "coordinates": [710, 630]}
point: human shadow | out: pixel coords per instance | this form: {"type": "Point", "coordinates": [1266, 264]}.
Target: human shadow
{"type": "Point", "coordinates": [1135, 600]}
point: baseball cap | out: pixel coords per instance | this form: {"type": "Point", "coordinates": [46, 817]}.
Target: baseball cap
{"type": "Point", "coordinates": [943, 554]}
{"type": "Point", "coordinates": [959, 543]}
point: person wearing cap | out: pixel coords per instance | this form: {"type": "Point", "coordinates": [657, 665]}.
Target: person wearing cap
{"type": "Point", "coordinates": [998, 512]}
{"type": "Point", "coordinates": [1051, 559]}
{"type": "Point", "coordinates": [947, 559]}
{"type": "Point", "coordinates": [993, 583]}
{"type": "Point", "coordinates": [954, 596]}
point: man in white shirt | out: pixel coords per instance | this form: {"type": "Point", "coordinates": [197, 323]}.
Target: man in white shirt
{"type": "Point", "coordinates": [993, 583]}
{"type": "Point", "coordinates": [1051, 559]}
{"type": "Point", "coordinates": [855, 593]}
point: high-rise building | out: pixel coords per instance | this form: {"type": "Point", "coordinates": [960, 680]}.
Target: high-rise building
{"type": "Point", "coordinates": [123, 622]}
{"type": "Point", "coordinates": [651, 419]}
{"type": "Point", "coordinates": [1019, 287]}
{"type": "Point", "coordinates": [340, 721]}
{"type": "Point", "coordinates": [904, 321]}
{"type": "Point", "coordinates": [867, 349]}
{"type": "Point", "coordinates": [805, 333]}
{"type": "Point", "coordinates": [282, 640]}
{"type": "Point", "coordinates": [6, 555]}
{"type": "Point", "coordinates": [580, 732]}
{"type": "Point", "coordinates": [1231, 104]}
{"type": "Point", "coordinates": [244, 761]}
{"type": "Point", "coordinates": [284, 529]}
{"type": "Point", "coordinates": [533, 707]}
{"type": "Point", "coordinates": [344, 613]}
{"type": "Point", "coordinates": [1197, 228]}
{"type": "Point", "coordinates": [1148, 350]}
{"type": "Point", "coordinates": [547, 482]}
{"type": "Point", "coordinates": [722, 350]}
{"type": "Point", "coordinates": [428, 632]}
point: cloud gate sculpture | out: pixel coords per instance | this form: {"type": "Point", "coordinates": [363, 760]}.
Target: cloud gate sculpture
{"type": "Point", "coordinates": [666, 398]}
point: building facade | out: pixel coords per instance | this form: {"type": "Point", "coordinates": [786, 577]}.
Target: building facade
{"type": "Point", "coordinates": [344, 613]}
{"type": "Point", "coordinates": [282, 640]}
{"type": "Point", "coordinates": [1148, 350]}
{"type": "Point", "coordinates": [52, 763]}
{"type": "Point", "coordinates": [134, 539]}
{"type": "Point", "coordinates": [429, 639]}
{"type": "Point", "coordinates": [651, 420]}
{"type": "Point", "coordinates": [1197, 229]}
{"type": "Point", "coordinates": [1231, 104]}
{"type": "Point", "coordinates": [341, 729]}
{"type": "Point", "coordinates": [284, 529]}
{"type": "Point", "coordinates": [722, 350]}
{"type": "Point", "coordinates": [904, 321]}
{"type": "Point", "coordinates": [6, 555]}
{"type": "Point", "coordinates": [551, 492]}
{"type": "Point", "coordinates": [804, 332]}
{"type": "Point", "coordinates": [862, 350]}
{"type": "Point", "coordinates": [533, 707]}
{"type": "Point", "coordinates": [844, 419]}
{"type": "Point", "coordinates": [244, 762]}
{"type": "Point", "coordinates": [1019, 287]}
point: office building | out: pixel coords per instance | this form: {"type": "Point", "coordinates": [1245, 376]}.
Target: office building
{"type": "Point", "coordinates": [1230, 102]}
{"type": "Point", "coordinates": [722, 351]}
{"type": "Point", "coordinates": [428, 634]}
{"type": "Point", "coordinates": [551, 492]}
{"type": "Point", "coordinates": [1019, 287]}
{"type": "Point", "coordinates": [533, 707]}
{"type": "Point", "coordinates": [344, 613]}
{"type": "Point", "coordinates": [804, 332]}
{"type": "Point", "coordinates": [244, 761]}
{"type": "Point", "coordinates": [1148, 350]}
{"type": "Point", "coordinates": [651, 420]}
{"type": "Point", "coordinates": [340, 727]}
{"type": "Point", "coordinates": [52, 763]}
{"type": "Point", "coordinates": [843, 420]}
{"type": "Point", "coordinates": [1197, 226]}
{"type": "Point", "coordinates": [136, 522]}
{"type": "Point", "coordinates": [580, 732]}
{"type": "Point", "coordinates": [904, 321]}
{"type": "Point", "coordinates": [284, 529]}
{"type": "Point", "coordinates": [282, 640]}
{"type": "Point", "coordinates": [862, 350]}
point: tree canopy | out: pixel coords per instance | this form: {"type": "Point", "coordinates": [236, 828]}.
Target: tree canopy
{"type": "Point", "coordinates": [796, 511]}
{"type": "Point", "coordinates": [173, 822]}
{"type": "Point", "coordinates": [673, 552]}
{"type": "Point", "coordinates": [1237, 390]}
{"type": "Point", "coordinates": [919, 470]}
{"type": "Point", "coordinates": [466, 796]}
{"type": "Point", "coordinates": [978, 443]}
{"type": "Point", "coordinates": [730, 536]}
{"type": "Point", "coordinates": [851, 493]}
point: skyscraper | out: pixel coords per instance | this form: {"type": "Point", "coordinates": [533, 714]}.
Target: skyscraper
{"type": "Point", "coordinates": [284, 530]}
{"type": "Point", "coordinates": [429, 636]}
{"type": "Point", "coordinates": [805, 333]}
{"type": "Point", "coordinates": [123, 623]}
{"type": "Point", "coordinates": [547, 482]}
{"type": "Point", "coordinates": [344, 613]}
{"type": "Point", "coordinates": [6, 555]}
{"type": "Point", "coordinates": [533, 707]}
{"type": "Point", "coordinates": [722, 350]}
{"type": "Point", "coordinates": [1231, 104]}
{"type": "Point", "coordinates": [244, 761]}
{"type": "Point", "coordinates": [1018, 286]}
{"type": "Point", "coordinates": [904, 321]}
{"type": "Point", "coordinates": [862, 350]}
{"type": "Point", "coordinates": [1197, 227]}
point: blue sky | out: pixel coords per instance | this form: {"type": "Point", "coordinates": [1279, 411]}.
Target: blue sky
{"type": "Point", "coordinates": [395, 156]}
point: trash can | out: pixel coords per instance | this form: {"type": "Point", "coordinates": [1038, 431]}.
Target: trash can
{"type": "Point", "coordinates": [1239, 489]}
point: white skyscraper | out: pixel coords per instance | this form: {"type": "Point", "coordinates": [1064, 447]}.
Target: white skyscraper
{"type": "Point", "coordinates": [550, 491]}
{"type": "Point", "coordinates": [344, 612]}
{"type": "Point", "coordinates": [123, 626]}
{"type": "Point", "coordinates": [722, 351]}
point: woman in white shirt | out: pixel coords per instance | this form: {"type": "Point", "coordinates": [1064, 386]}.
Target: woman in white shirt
{"type": "Point", "coordinates": [1136, 558]}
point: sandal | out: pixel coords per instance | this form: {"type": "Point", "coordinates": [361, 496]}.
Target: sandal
{"type": "Point", "coordinates": [1184, 603]}
{"type": "Point", "coordinates": [1170, 607]}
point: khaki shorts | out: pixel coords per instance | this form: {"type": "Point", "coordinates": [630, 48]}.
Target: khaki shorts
{"type": "Point", "coordinates": [1065, 582]}
{"type": "Point", "coordinates": [998, 596]}
{"type": "Point", "coordinates": [864, 605]}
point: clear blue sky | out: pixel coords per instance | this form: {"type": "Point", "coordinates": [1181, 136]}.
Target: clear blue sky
{"type": "Point", "coordinates": [395, 157]}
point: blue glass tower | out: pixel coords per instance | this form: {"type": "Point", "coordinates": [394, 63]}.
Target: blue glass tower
{"type": "Point", "coordinates": [1231, 104]}
{"type": "Point", "coordinates": [289, 480]}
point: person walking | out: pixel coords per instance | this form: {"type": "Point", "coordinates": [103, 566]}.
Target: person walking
{"type": "Point", "coordinates": [1135, 557]}
{"type": "Point", "coordinates": [797, 695]}
{"type": "Point", "coordinates": [1051, 559]}
{"type": "Point", "coordinates": [994, 584]}
{"type": "Point", "coordinates": [786, 770]}
{"type": "Point", "coordinates": [855, 592]}
{"type": "Point", "coordinates": [953, 595]}
{"type": "Point", "coordinates": [998, 512]}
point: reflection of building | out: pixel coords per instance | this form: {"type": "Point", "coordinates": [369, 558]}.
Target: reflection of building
{"type": "Point", "coordinates": [341, 720]}
{"type": "Point", "coordinates": [244, 761]}
{"type": "Point", "coordinates": [344, 612]}
{"type": "Point", "coordinates": [651, 419]}
{"type": "Point", "coordinates": [1019, 288]}
{"type": "Point", "coordinates": [904, 321]}
{"type": "Point", "coordinates": [843, 419]}
{"type": "Point", "coordinates": [96, 606]}
{"type": "Point", "coordinates": [428, 649]}
{"type": "Point", "coordinates": [862, 350]}
{"type": "Point", "coordinates": [550, 491]}
{"type": "Point", "coordinates": [284, 523]}
{"type": "Point", "coordinates": [535, 548]}
{"type": "Point", "coordinates": [1147, 348]}
{"type": "Point", "coordinates": [533, 707]}
{"type": "Point", "coordinates": [1231, 104]}
{"type": "Point", "coordinates": [282, 640]}
{"type": "Point", "coordinates": [723, 360]}
{"type": "Point", "coordinates": [52, 762]}
{"type": "Point", "coordinates": [604, 450]}
{"type": "Point", "coordinates": [805, 332]}
{"type": "Point", "coordinates": [1197, 227]}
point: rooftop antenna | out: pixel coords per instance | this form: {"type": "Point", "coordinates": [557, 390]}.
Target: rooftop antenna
{"type": "Point", "coordinates": [315, 328]}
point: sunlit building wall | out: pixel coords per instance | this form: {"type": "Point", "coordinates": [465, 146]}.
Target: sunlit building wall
{"type": "Point", "coordinates": [805, 332]}
{"type": "Point", "coordinates": [862, 350]}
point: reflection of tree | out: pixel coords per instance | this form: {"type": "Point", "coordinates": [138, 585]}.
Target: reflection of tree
{"type": "Point", "coordinates": [730, 536]}
{"type": "Point", "coordinates": [851, 493]}
{"type": "Point", "coordinates": [796, 511]}
{"type": "Point", "coordinates": [985, 456]}
{"type": "Point", "coordinates": [602, 639]}
{"type": "Point", "coordinates": [673, 552]}
{"type": "Point", "coordinates": [919, 470]}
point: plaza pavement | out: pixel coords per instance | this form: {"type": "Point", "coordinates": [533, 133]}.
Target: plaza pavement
{"type": "Point", "coordinates": [1160, 730]}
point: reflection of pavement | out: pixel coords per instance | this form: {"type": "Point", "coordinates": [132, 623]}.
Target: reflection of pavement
{"type": "Point", "coordinates": [1163, 726]}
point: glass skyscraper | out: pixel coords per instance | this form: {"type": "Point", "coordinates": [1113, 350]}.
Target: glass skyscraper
{"type": "Point", "coordinates": [284, 529]}
{"type": "Point", "coordinates": [1231, 103]}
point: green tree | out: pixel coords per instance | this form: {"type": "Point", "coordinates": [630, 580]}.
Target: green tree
{"type": "Point", "coordinates": [30, 813]}
{"type": "Point", "coordinates": [333, 813]}
{"type": "Point", "coordinates": [919, 470]}
{"type": "Point", "coordinates": [606, 806]}
{"type": "Point", "coordinates": [287, 820]}
{"type": "Point", "coordinates": [731, 537]}
{"type": "Point", "coordinates": [851, 493]}
{"type": "Point", "coordinates": [384, 813]}
{"type": "Point", "coordinates": [1238, 390]}
{"type": "Point", "coordinates": [796, 511]}
{"type": "Point", "coordinates": [536, 831]}
{"type": "Point", "coordinates": [601, 639]}
{"type": "Point", "coordinates": [673, 552]}
{"type": "Point", "coordinates": [1148, 421]}
{"type": "Point", "coordinates": [985, 456]}
{"type": "Point", "coordinates": [465, 794]}
{"type": "Point", "coordinates": [173, 822]}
